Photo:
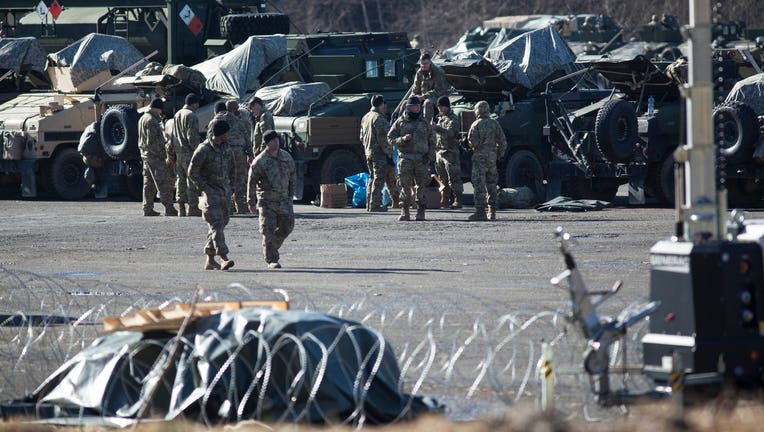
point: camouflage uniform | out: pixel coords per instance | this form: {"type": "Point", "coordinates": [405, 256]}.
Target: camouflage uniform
{"type": "Point", "coordinates": [431, 84]}
{"type": "Point", "coordinates": [186, 125]}
{"type": "Point", "coordinates": [260, 124]}
{"type": "Point", "coordinates": [447, 164]}
{"type": "Point", "coordinates": [211, 170]}
{"type": "Point", "coordinates": [156, 176]}
{"type": "Point", "coordinates": [238, 142]}
{"type": "Point", "coordinates": [271, 184]}
{"type": "Point", "coordinates": [374, 128]}
{"type": "Point", "coordinates": [488, 143]}
{"type": "Point", "coordinates": [414, 156]}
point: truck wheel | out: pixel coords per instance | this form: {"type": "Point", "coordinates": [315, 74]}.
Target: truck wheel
{"type": "Point", "coordinates": [238, 27]}
{"type": "Point", "coordinates": [524, 169]}
{"type": "Point", "coordinates": [615, 129]}
{"type": "Point", "coordinates": [340, 164]}
{"type": "Point", "coordinates": [66, 175]}
{"type": "Point", "coordinates": [737, 130]}
{"type": "Point", "coordinates": [119, 132]}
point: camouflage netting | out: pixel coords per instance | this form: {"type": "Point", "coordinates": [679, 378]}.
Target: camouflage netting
{"type": "Point", "coordinates": [293, 97]}
{"type": "Point", "coordinates": [95, 53]}
{"type": "Point", "coordinates": [750, 91]}
{"type": "Point", "coordinates": [236, 72]}
{"type": "Point", "coordinates": [531, 57]}
{"type": "Point", "coordinates": [21, 55]}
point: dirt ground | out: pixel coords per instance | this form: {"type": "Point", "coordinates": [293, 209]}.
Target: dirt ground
{"type": "Point", "coordinates": [400, 277]}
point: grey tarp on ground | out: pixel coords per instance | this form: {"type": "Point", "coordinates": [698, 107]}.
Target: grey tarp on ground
{"type": "Point", "coordinates": [563, 203]}
{"type": "Point", "coordinates": [294, 97]}
{"type": "Point", "coordinates": [530, 58]}
{"type": "Point", "coordinates": [236, 72]}
{"type": "Point", "coordinates": [750, 91]}
{"type": "Point", "coordinates": [95, 53]}
{"type": "Point", "coordinates": [244, 364]}
{"type": "Point", "coordinates": [22, 54]}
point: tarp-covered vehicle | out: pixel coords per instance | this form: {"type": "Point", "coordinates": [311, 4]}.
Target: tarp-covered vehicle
{"type": "Point", "coordinates": [22, 66]}
{"type": "Point", "coordinates": [562, 130]}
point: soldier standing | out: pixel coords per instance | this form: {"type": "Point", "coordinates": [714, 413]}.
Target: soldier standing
{"type": "Point", "coordinates": [488, 144]}
{"type": "Point", "coordinates": [415, 141]}
{"type": "Point", "coordinates": [210, 171]}
{"type": "Point", "coordinates": [447, 163]}
{"type": "Point", "coordinates": [272, 180]}
{"type": "Point", "coordinates": [156, 175]}
{"type": "Point", "coordinates": [262, 120]}
{"type": "Point", "coordinates": [374, 128]}
{"type": "Point", "coordinates": [429, 84]}
{"type": "Point", "coordinates": [238, 143]}
{"type": "Point", "coordinates": [186, 131]}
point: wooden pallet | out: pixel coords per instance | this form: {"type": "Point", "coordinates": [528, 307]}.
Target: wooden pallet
{"type": "Point", "coordinates": [170, 318]}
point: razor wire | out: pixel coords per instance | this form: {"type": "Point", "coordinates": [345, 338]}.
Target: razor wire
{"type": "Point", "coordinates": [475, 363]}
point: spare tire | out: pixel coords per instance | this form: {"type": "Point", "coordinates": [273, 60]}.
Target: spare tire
{"type": "Point", "coordinates": [736, 131]}
{"type": "Point", "coordinates": [238, 27]}
{"type": "Point", "coordinates": [119, 132]}
{"type": "Point", "coordinates": [616, 131]}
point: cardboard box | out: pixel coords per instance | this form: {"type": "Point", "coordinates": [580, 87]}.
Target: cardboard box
{"type": "Point", "coordinates": [334, 195]}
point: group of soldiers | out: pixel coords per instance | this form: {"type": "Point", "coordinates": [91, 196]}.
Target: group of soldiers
{"type": "Point", "coordinates": [422, 139]}
{"type": "Point", "coordinates": [239, 168]}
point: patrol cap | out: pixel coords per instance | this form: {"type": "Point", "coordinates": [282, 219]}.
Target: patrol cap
{"type": "Point", "coordinates": [192, 98]}
{"type": "Point", "coordinates": [157, 103]}
{"type": "Point", "coordinates": [220, 127]}
{"type": "Point", "coordinates": [219, 106]}
{"type": "Point", "coordinates": [413, 100]}
{"type": "Point", "coordinates": [444, 101]}
{"type": "Point", "coordinates": [269, 135]}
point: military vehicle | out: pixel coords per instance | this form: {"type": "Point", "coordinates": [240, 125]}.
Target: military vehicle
{"type": "Point", "coordinates": [183, 32]}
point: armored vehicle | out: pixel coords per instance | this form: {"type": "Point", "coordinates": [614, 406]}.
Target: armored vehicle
{"type": "Point", "coordinates": [183, 32]}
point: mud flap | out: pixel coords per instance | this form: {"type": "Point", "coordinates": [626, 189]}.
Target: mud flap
{"type": "Point", "coordinates": [637, 185]}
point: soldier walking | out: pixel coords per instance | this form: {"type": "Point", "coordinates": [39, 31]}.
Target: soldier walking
{"type": "Point", "coordinates": [447, 163]}
{"type": "Point", "coordinates": [374, 128]}
{"type": "Point", "coordinates": [262, 120]}
{"type": "Point", "coordinates": [429, 84]}
{"type": "Point", "coordinates": [186, 125]}
{"type": "Point", "coordinates": [156, 173]}
{"type": "Point", "coordinates": [238, 143]}
{"type": "Point", "coordinates": [210, 171]}
{"type": "Point", "coordinates": [488, 144]}
{"type": "Point", "coordinates": [415, 141]}
{"type": "Point", "coordinates": [272, 180]}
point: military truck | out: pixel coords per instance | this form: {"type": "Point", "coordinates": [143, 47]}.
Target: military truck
{"type": "Point", "coordinates": [183, 32]}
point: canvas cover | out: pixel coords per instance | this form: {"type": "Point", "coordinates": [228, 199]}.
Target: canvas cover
{"type": "Point", "coordinates": [750, 91]}
{"type": "Point", "coordinates": [294, 97]}
{"type": "Point", "coordinates": [245, 364]}
{"type": "Point", "coordinates": [22, 55]}
{"type": "Point", "coordinates": [96, 53]}
{"type": "Point", "coordinates": [236, 72]}
{"type": "Point", "coordinates": [530, 58]}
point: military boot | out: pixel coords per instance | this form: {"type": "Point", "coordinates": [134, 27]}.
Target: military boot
{"type": "Point", "coordinates": [491, 213]}
{"type": "Point", "coordinates": [404, 214]}
{"type": "Point", "coordinates": [150, 212]}
{"type": "Point", "coordinates": [169, 210]}
{"type": "Point", "coordinates": [225, 263]}
{"type": "Point", "coordinates": [181, 209]}
{"type": "Point", "coordinates": [420, 212]}
{"type": "Point", "coordinates": [479, 215]}
{"type": "Point", "coordinates": [211, 264]}
{"type": "Point", "coordinates": [457, 204]}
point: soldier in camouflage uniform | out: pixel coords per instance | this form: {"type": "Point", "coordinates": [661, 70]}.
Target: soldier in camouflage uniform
{"type": "Point", "coordinates": [156, 175]}
{"type": "Point", "coordinates": [447, 163]}
{"type": "Point", "coordinates": [415, 141]}
{"type": "Point", "coordinates": [186, 131]}
{"type": "Point", "coordinates": [262, 121]}
{"type": "Point", "coordinates": [374, 128]}
{"type": "Point", "coordinates": [210, 171]}
{"type": "Point", "coordinates": [239, 144]}
{"type": "Point", "coordinates": [271, 186]}
{"type": "Point", "coordinates": [429, 84]}
{"type": "Point", "coordinates": [488, 144]}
